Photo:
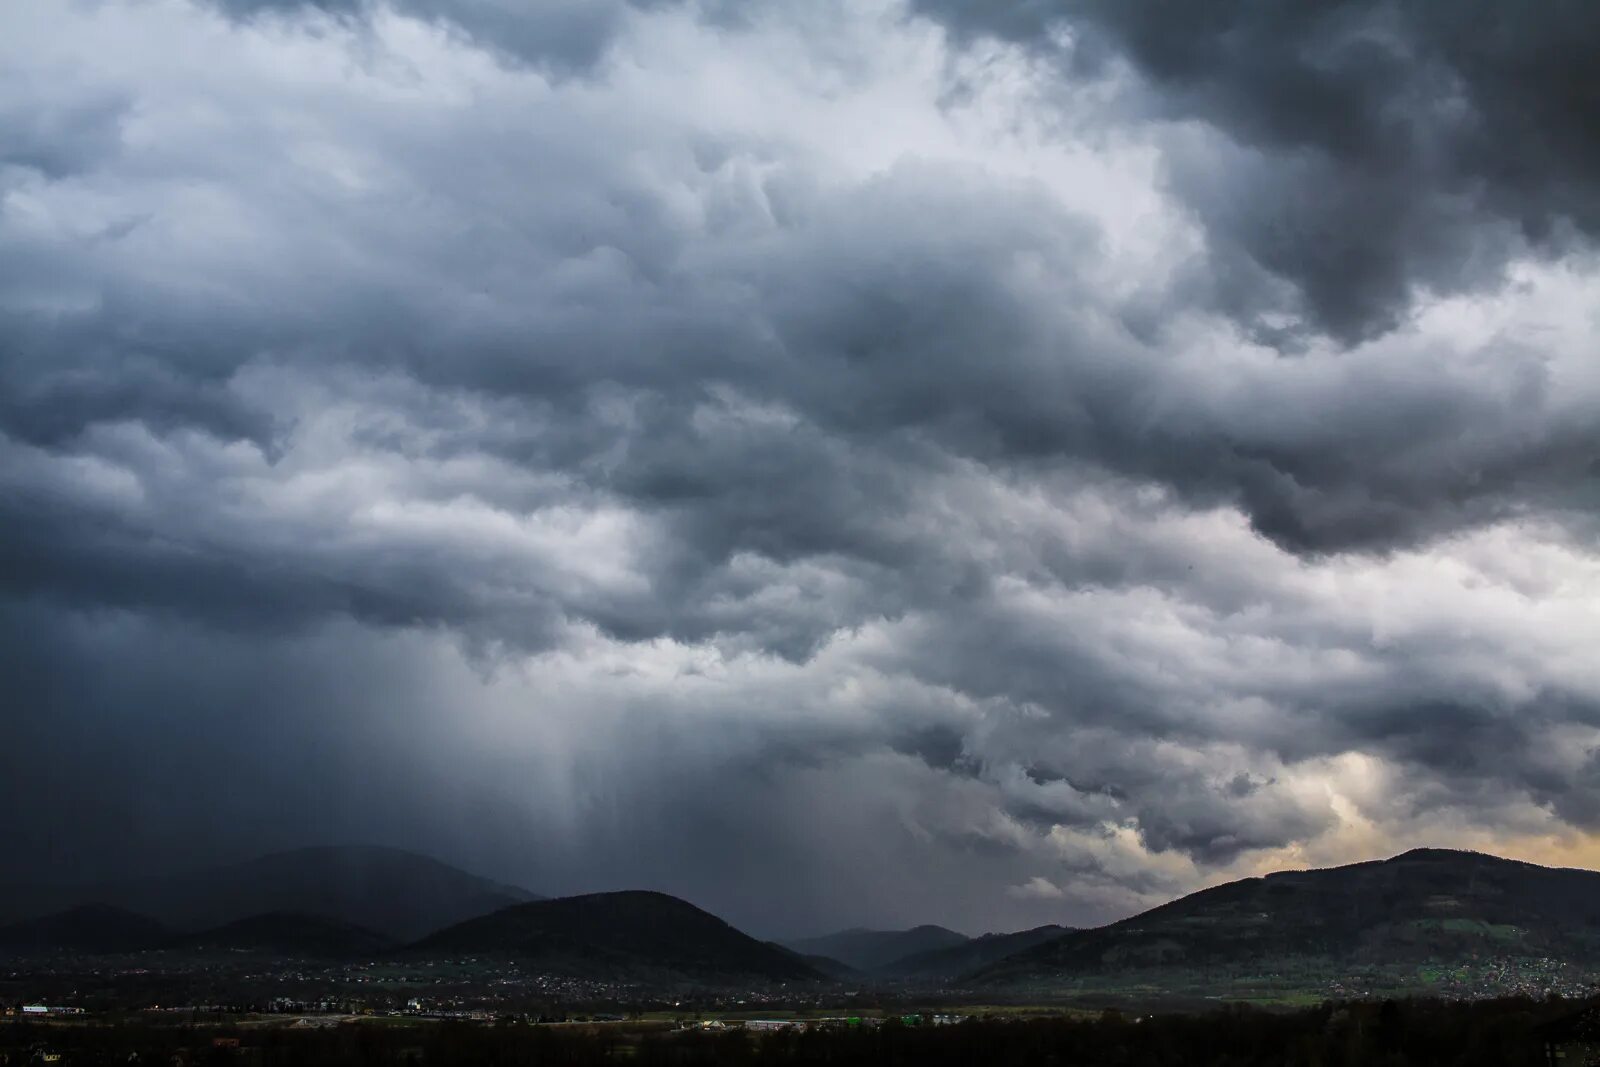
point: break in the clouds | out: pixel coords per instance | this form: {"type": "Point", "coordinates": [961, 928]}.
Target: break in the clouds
{"type": "Point", "coordinates": [842, 462]}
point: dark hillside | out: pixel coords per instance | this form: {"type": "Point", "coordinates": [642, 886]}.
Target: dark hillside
{"type": "Point", "coordinates": [1429, 904]}
{"type": "Point", "coordinates": [285, 934]}
{"type": "Point", "coordinates": [619, 936]}
{"type": "Point", "coordinates": [89, 929]}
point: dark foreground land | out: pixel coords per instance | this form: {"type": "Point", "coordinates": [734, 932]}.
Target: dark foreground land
{"type": "Point", "coordinates": [1502, 1033]}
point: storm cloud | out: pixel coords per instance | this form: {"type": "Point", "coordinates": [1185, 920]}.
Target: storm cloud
{"type": "Point", "coordinates": [1366, 152]}
{"type": "Point", "coordinates": [884, 462]}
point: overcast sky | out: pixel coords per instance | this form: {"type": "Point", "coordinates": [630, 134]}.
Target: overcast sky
{"type": "Point", "coordinates": [877, 462]}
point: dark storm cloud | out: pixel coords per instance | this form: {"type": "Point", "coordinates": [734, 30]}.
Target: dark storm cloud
{"type": "Point", "coordinates": [759, 481]}
{"type": "Point", "coordinates": [1379, 148]}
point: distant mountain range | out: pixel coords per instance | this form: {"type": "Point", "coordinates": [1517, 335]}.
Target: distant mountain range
{"type": "Point", "coordinates": [628, 935]}
{"type": "Point", "coordinates": [1430, 906]}
{"type": "Point", "coordinates": [400, 895]}
{"type": "Point", "coordinates": [922, 953]}
{"type": "Point", "coordinates": [869, 950]}
{"type": "Point", "coordinates": [1425, 905]}
{"type": "Point", "coordinates": [954, 961]}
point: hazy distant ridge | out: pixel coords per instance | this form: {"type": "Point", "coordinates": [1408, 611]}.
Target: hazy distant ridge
{"type": "Point", "coordinates": [955, 960]}
{"type": "Point", "coordinates": [399, 894]}
{"type": "Point", "coordinates": [869, 950]}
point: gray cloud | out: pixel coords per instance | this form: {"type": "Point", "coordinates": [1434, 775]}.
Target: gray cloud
{"type": "Point", "coordinates": [709, 486]}
{"type": "Point", "coordinates": [560, 36]}
{"type": "Point", "coordinates": [1376, 151]}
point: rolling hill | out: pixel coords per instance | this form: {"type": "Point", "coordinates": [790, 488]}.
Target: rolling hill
{"type": "Point", "coordinates": [870, 950]}
{"type": "Point", "coordinates": [284, 934]}
{"type": "Point", "coordinates": [827, 965]}
{"type": "Point", "coordinates": [88, 929]}
{"type": "Point", "coordinates": [1424, 905]}
{"type": "Point", "coordinates": [399, 894]}
{"type": "Point", "coordinates": [955, 960]}
{"type": "Point", "coordinates": [620, 936]}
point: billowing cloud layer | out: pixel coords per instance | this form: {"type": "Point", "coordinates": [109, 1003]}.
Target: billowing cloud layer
{"type": "Point", "coordinates": [1366, 152]}
{"type": "Point", "coordinates": [843, 462]}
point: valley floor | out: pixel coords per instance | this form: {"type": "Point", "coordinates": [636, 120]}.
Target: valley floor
{"type": "Point", "coordinates": [1516, 1032]}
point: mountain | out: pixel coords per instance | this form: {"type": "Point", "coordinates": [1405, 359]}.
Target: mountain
{"type": "Point", "coordinates": [827, 966]}
{"type": "Point", "coordinates": [285, 934]}
{"type": "Point", "coordinates": [399, 894]}
{"type": "Point", "coordinates": [869, 950]}
{"type": "Point", "coordinates": [620, 936]}
{"type": "Point", "coordinates": [1425, 905]}
{"type": "Point", "coordinates": [970, 955]}
{"type": "Point", "coordinates": [89, 929]}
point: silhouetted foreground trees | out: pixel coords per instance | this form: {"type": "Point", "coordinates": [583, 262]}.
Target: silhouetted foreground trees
{"type": "Point", "coordinates": [1506, 1033]}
